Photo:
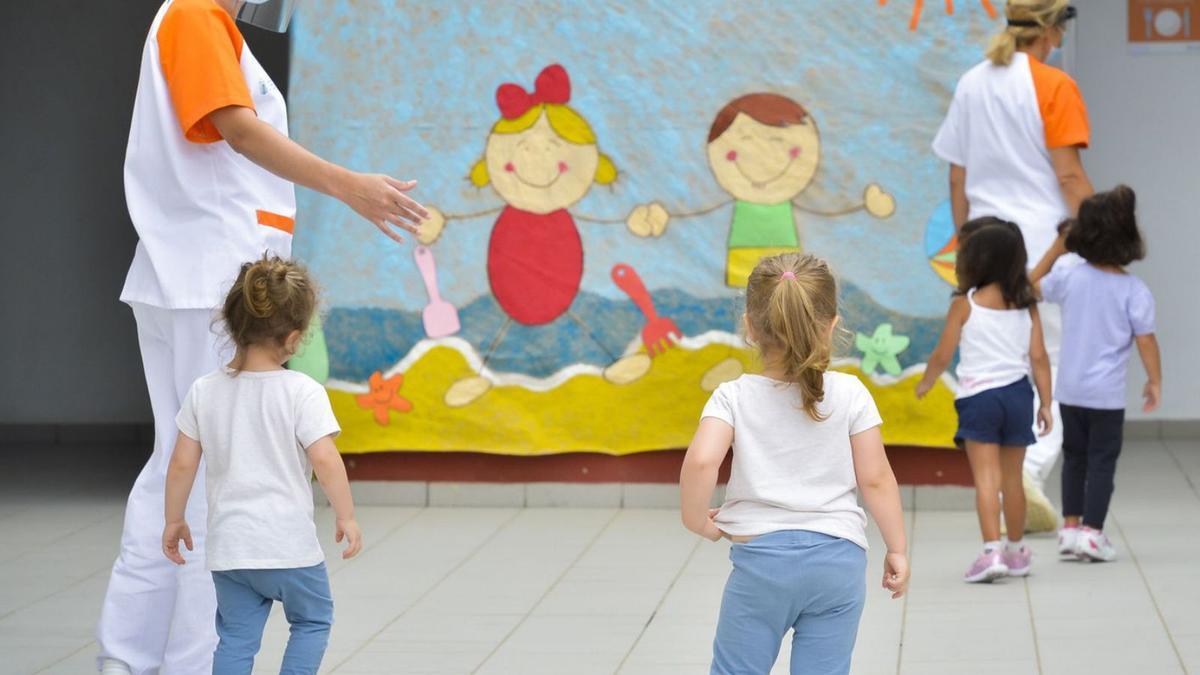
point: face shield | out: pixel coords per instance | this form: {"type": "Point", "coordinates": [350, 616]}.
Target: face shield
{"type": "Point", "coordinates": [272, 15]}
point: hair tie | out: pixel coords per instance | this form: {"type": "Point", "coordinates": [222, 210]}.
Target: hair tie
{"type": "Point", "coordinates": [788, 275]}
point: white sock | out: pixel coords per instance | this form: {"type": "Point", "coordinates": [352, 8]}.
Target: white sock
{"type": "Point", "coordinates": [114, 667]}
{"type": "Point", "coordinates": [989, 546]}
{"type": "Point", "coordinates": [1014, 546]}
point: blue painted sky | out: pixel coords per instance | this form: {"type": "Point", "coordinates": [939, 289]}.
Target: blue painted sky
{"type": "Point", "coordinates": [409, 90]}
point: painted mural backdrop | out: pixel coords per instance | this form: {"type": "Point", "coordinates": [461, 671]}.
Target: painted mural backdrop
{"type": "Point", "coordinates": [603, 178]}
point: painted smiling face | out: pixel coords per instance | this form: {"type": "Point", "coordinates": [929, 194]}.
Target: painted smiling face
{"type": "Point", "coordinates": [764, 149]}
{"type": "Point", "coordinates": [539, 171]}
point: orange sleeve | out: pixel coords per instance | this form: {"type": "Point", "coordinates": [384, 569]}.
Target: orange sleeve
{"type": "Point", "coordinates": [1064, 114]}
{"type": "Point", "coordinates": [200, 49]}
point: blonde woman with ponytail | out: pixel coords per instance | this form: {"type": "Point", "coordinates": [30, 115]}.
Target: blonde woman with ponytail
{"type": "Point", "coordinates": [1013, 136]}
{"type": "Point", "coordinates": [806, 441]}
{"type": "Point", "coordinates": [263, 431]}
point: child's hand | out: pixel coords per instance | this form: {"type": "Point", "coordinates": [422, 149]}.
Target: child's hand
{"type": "Point", "coordinates": [1045, 419]}
{"type": "Point", "coordinates": [710, 531]}
{"type": "Point", "coordinates": [1151, 394]}
{"type": "Point", "coordinates": [348, 529]}
{"type": "Point", "coordinates": [895, 574]}
{"type": "Point", "coordinates": [923, 388]}
{"type": "Point", "coordinates": [172, 533]}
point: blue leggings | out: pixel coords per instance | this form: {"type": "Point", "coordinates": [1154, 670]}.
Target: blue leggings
{"type": "Point", "coordinates": [244, 599]}
{"type": "Point", "coordinates": [811, 583]}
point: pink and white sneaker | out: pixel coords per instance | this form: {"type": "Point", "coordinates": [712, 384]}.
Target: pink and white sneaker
{"type": "Point", "coordinates": [988, 567]}
{"type": "Point", "coordinates": [1094, 546]}
{"type": "Point", "coordinates": [1017, 561]}
{"type": "Point", "coordinates": [1068, 541]}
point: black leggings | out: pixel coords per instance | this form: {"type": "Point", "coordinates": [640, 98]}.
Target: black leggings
{"type": "Point", "coordinates": [1091, 445]}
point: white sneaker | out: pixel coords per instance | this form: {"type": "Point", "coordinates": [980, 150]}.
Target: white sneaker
{"type": "Point", "coordinates": [114, 667]}
{"type": "Point", "coordinates": [1094, 546]}
{"type": "Point", "coordinates": [1068, 541]}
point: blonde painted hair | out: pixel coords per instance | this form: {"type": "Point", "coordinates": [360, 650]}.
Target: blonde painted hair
{"type": "Point", "coordinates": [1045, 13]}
{"type": "Point", "coordinates": [791, 306]}
{"type": "Point", "coordinates": [568, 124]}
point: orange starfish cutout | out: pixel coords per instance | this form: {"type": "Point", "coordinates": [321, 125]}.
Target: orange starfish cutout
{"type": "Point", "coordinates": [383, 397]}
{"type": "Point", "coordinates": [919, 5]}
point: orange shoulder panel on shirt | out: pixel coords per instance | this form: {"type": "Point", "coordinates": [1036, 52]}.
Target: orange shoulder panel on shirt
{"type": "Point", "coordinates": [200, 49]}
{"type": "Point", "coordinates": [1064, 114]}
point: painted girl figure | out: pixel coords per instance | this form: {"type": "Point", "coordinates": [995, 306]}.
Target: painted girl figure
{"type": "Point", "coordinates": [764, 150]}
{"type": "Point", "coordinates": [541, 159]}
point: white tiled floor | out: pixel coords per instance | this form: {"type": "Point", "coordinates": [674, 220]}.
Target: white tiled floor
{"type": "Point", "coordinates": [577, 591]}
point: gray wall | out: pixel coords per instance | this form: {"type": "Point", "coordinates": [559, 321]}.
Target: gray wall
{"type": "Point", "coordinates": [68, 351]}
{"type": "Point", "coordinates": [1145, 113]}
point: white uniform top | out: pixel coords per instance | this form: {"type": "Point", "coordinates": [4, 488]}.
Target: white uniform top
{"type": "Point", "coordinates": [200, 209]}
{"type": "Point", "coordinates": [254, 429]}
{"type": "Point", "coordinates": [1001, 125]}
{"type": "Point", "coordinates": [993, 348]}
{"type": "Point", "coordinates": [791, 472]}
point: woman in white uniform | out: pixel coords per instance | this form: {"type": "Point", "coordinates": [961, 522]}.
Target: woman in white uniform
{"type": "Point", "coordinates": [1012, 137]}
{"type": "Point", "coordinates": [209, 173]}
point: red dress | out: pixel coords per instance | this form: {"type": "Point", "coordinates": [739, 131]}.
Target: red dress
{"type": "Point", "coordinates": [535, 264]}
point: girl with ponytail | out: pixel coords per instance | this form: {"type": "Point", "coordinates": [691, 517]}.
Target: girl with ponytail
{"type": "Point", "coordinates": [806, 441]}
{"type": "Point", "coordinates": [1013, 137]}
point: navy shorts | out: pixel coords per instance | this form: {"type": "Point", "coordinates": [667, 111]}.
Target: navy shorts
{"type": "Point", "coordinates": [1003, 415]}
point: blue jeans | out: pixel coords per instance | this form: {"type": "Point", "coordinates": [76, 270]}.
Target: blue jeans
{"type": "Point", "coordinates": [244, 599]}
{"type": "Point", "coordinates": [812, 583]}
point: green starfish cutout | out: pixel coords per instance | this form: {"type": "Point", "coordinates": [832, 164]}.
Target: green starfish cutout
{"type": "Point", "coordinates": [881, 349]}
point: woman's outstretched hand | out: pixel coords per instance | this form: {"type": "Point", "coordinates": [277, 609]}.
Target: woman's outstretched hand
{"type": "Point", "coordinates": [382, 201]}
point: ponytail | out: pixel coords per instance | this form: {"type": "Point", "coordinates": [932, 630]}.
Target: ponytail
{"type": "Point", "coordinates": [791, 306]}
{"type": "Point", "coordinates": [1032, 18]}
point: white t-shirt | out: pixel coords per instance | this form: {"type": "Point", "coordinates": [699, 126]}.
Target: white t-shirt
{"type": "Point", "coordinates": [200, 209]}
{"type": "Point", "coordinates": [993, 348]}
{"type": "Point", "coordinates": [789, 471]}
{"type": "Point", "coordinates": [254, 429]}
{"type": "Point", "coordinates": [1001, 125]}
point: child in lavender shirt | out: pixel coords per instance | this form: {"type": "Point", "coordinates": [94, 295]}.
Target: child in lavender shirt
{"type": "Point", "coordinates": [1105, 311]}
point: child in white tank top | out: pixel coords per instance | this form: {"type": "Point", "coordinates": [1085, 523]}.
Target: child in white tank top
{"type": "Point", "coordinates": [993, 321]}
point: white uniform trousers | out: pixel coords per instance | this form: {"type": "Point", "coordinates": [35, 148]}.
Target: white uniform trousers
{"type": "Point", "coordinates": [158, 617]}
{"type": "Point", "coordinates": [1041, 457]}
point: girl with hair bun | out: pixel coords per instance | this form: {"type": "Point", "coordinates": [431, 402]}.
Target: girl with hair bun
{"type": "Point", "coordinates": [1012, 137]}
{"type": "Point", "coordinates": [262, 431]}
{"type": "Point", "coordinates": [806, 440]}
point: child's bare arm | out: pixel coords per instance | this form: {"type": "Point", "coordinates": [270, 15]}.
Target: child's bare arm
{"type": "Point", "coordinates": [881, 495]}
{"type": "Point", "coordinates": [698, 477]}
{"type": "Point", "coordinates": [1039, 362]}
{"type": "Point", "coordinates": [942, 354]}
{"type": "Point", "coordinates": [181, 474]}
{"type": "Point", "coordinates": [1148, 351]}
{"type": "Point", "coordinates": [1057, 250]}
{"type": "Point", "coordinates": [331, 473]}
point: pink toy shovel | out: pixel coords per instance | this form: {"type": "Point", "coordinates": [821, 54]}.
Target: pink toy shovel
{"type": "Point", "coordinates": [440, 317]}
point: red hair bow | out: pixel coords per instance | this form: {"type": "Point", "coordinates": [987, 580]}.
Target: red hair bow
{"type": "Point", "coordinates": [551, 86]}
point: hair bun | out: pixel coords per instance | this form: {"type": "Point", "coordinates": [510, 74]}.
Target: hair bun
{"type": "Point", "coordinates": [256, 290]}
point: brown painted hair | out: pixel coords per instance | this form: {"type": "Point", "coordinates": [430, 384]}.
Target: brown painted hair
{"type": "Point", "coordinates": [791, 320]}
{"type": "Point", "coordinates": [772, 110]}
{"type": "Point", "coordinates": [271, 298]}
